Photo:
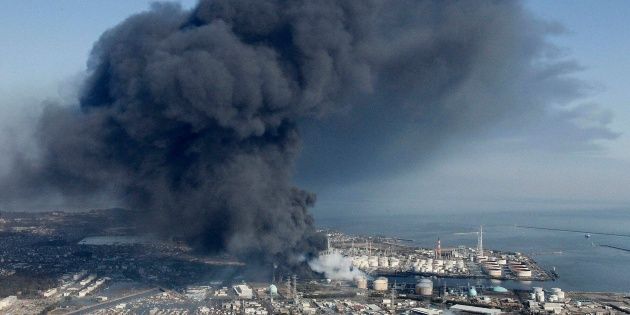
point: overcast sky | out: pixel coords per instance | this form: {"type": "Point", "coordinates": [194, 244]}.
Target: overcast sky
{"type": "Point", "coordinates": [45, 45]}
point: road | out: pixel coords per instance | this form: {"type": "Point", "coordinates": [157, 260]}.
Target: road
{"type": "Point", "coordinates": [123, 299]}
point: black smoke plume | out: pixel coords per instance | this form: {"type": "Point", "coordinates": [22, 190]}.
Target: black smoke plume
{"type": "Point", "coordinates": [193, 115]}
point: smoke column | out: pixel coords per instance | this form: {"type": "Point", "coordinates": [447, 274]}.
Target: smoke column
{"type": "Point", "coordinates": [192, 116]}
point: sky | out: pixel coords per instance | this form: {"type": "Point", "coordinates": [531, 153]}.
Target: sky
{"type": "Point", "coordinates": [45, 46]}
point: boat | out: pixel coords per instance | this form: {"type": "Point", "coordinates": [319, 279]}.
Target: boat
{"type": "Point", "coordinates": [587, 235]}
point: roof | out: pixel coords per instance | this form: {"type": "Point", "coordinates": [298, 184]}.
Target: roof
{"type": "Point", "coordinates": [475, 309]}
{"type": "Point", "coordinates": [499, 289]}
{"type": "Point", "coordinates": [426, 311]}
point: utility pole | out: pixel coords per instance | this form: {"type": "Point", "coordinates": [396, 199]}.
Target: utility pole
{"type": "Point", "coordinates": [393, 297]}
{"type": "Point", "coordinates": [295, 293]}
{"type": "Point", "coordinates": [289, 290]}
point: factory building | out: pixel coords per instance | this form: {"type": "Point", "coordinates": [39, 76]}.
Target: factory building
{"type": "Point", "coordinates": [243, 291]}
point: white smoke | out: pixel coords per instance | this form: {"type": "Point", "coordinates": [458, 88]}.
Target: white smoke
{"type": "Point", "coordinates": [336, 267]}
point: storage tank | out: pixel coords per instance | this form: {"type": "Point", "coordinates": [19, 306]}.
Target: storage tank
{"type": "Point", "coordinates": [499, 289]}
{"type": "Point", "coordinates": [558, 292]}
{"type": "Point", "coordinates": [380, 284]}
{"type": "Point", "coordinates": [373, 261]}
{"type": "Point", "coordinates": [394, 262]}
{"type": "Point", "coordinates": [273, 290]}
{"type": "Point", "coordinates": [560, 296]}
{"type": "Point", "coordinates": [424, 287]}
{"type": "Point", "coordinates": [494, 272]}
{"type": "Point", "coordinates": [383, 262]}
{"type": "Point", "coordinates": [361, 283]}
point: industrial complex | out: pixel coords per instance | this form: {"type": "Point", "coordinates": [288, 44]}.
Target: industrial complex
{"type": "Point", "coordinates": [383, 256]}
{"type": "Point", "coordinates": [85, 263]}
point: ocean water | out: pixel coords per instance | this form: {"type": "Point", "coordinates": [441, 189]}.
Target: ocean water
{"type": "Point", "coordinates": [582, 264]}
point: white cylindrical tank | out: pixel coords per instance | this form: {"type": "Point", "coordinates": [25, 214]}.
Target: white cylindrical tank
{"type": "Point", "coordinates": [424, 287]}
{"type": "Point", "coordinates": [361, 283]}
{"type": "Point", "coordinates": [380, 284]}
{"type": "Point", "coordinates": [494, 272]}
{"type": "Point", "coordinates": [383, 262]}
{"type": "Point", "coordinates": [560, 295]}
{"type": "Point", "coordinates": [394, 262]}
{"type": "Point", "coordinates": [373, 261]}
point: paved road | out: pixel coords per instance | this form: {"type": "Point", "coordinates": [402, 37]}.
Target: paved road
{"type": "Point", "coordinates": [117, 301]}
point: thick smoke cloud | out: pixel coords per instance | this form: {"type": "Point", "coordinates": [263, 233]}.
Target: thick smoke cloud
{"type": "Point", "coordinates": [193, 116]}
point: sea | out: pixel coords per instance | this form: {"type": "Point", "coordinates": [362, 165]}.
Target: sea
{"type": "Point", "coordinates": [582, 263]}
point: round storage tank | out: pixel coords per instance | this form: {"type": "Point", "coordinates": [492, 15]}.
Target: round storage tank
{"type": "Point", "coordinates": [424, 287]}
{"type": "Point", "coordinates": [383, 262]}
{"type": "Point", "coordinates": [494, 272]}
{"type": "Point", "coordinates": [394, 262]}
{"type": "Point", "coordinates": [499, 289]}
{"type": "Point", "coordinates": [380, 284]}
{"type": "Point", "coordinates": [361, 283]}
{"type": "Point", "coordinates": [373, 261]}
{"type": "Point", "coordinates": [273, 290]}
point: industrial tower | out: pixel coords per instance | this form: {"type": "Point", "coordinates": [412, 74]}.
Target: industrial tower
{"type": "Point", "coordinates": [480, 241]}
{"type": "Point", "coordinates": [438, 249]}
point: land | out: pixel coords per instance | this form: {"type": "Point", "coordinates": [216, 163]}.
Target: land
{"type": "Point", "coordinates": [99, 262]}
